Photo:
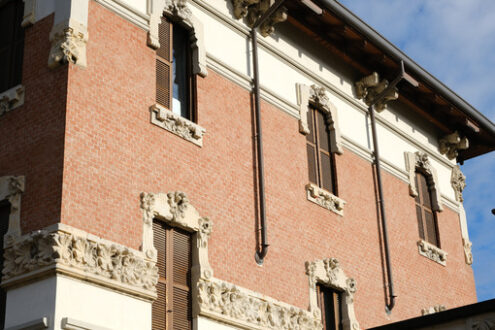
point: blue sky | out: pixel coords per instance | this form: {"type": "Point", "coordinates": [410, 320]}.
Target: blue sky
{"type": "Point", "coordinates": [455, 41]}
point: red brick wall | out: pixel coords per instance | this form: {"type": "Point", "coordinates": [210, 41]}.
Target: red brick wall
{"type": "Point", "coordinates": [33, 134]}
{"type": "Point", "coordinates": [113, 153]}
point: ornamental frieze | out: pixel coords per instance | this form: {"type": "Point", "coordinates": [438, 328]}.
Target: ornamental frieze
{"type": "Point", "coordinates": [93, 259]}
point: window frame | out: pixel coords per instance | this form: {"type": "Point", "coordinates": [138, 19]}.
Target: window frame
{"type": "Point", "coordinates": [420, 203]}
{"type": "Point", "coordinates": [335, 307]}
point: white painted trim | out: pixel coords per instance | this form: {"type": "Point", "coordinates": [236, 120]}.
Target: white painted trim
{"type": "Point", "coordinates": [127, 12]}
{"type": "Point", "coordinates": [71, 324]}
{"type": "Point", "coordinates": [31, 325]}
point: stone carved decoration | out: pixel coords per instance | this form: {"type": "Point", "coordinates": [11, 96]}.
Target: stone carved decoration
{"type": "Point", "coordinates": [325, 199]}
{"type": "Point", "coordinates": [419, 161]}
{"type": "Point", "coordinates": [458, 181]}
{"type": "Point", "coordinates": [316, 96]}
{"type": "Point", "coordinates": [11, 99]}
{"type": "Point", "coordinates": [83, 256]}
{"type": "Point", "coordinates": [11, 189]}
{"type": "Point", "coordinates": [468, 254]}
{"type": "Point", "coordinates": [254, 9]}
{"type": "Point", "coordinates": [483, 324]}
{"type": "Point", "coordinates": [177, 125]}
{"type": "Point", "coordinates": [68, 44]}
{"type": "Point", "coordinates": [433, 309]}
{"type": "Point", "coordinates": [450, 145]}
{"type": "Point", "coordinates": [432, 252]}
{"type": "Point", "coordinates": [369, 87]}
{"type": "Point", "coordinates": [29, 17]}
{"type": "Point", "coordinates": [329, 273]}
{"type": "Point", "coordinates": [179, 11]}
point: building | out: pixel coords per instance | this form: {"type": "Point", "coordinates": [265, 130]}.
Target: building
{"type": "Point", "coordinates": [136, 192]}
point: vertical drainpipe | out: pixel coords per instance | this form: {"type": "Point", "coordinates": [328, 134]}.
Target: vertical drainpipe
{"type": "Point", "coordinates": [261, 253]}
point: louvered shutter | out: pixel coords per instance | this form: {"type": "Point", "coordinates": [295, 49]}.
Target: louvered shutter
{"type": "Point", "coordinates": [4, 226]}
{"type": "Point", "coordinates": [159, 307]}
{"type": "Point", "coordinates": [11, 43]}
{"type": "Point", "coordinates": [164, 64]}
{"type": "Point", "coordinates": [330, 305]}
{"type": "Point", "coordinates": [181, 282]}
{"type": "Point", "coordinates": [427, 222]}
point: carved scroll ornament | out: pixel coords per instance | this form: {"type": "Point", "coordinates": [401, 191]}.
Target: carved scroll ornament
{"type": "Point", "coordinates": [458, 181]}
{"type": "Point", "coordinates": [325, 199]}
{"type": "Point", "coordinates": [11, 189]}
{"type": "Point", "coordinates": [68, 41]}
{"type": "Point", "coordinates": [369, 87]}
{"type": "Point", "coordinates": [11, 98]}
{"type": "Point", "coordinates": [432, 252]}
{"type": "Point", "coordinates": [254, 9]}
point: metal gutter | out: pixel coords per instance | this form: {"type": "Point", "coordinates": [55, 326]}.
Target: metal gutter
{"type": "Point", "coordinates": [413, 67]}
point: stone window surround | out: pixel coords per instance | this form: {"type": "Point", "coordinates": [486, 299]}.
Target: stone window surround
{"type": "Point", "coordinates": [316, 96]}
{"type": "Point", "coordinates": [420, 161]}
{"type": "Point", "coordinates": [212, 297]}
{"type": "Point", "coordinates": [11, 189]}
{"type": "Point", "coordinates": [329, 273]}
{"type": "Point", "coordinates": [432, 252]}
{"type": "Point", "coordinates": [458, 182]}
{"type": "Point", "coordinates": [11, 98]}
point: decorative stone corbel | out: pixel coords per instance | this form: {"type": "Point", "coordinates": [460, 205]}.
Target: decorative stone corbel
{"type": "Point", "coordinates": [29, 17]}
{"type": "Point", "coordinates": [11, 189]}
{"type": "Point", "coordinates": [468, 254]}
{"type": "Point", "coordinates": [177, 124]}
{"type": "Point", "coordinates": [420, 161]}
{"type": "Point", "coordinates": [316, 96]}
{"type": "Point", "coordinates": [432, 252]}
{"type": "Point", "coordinates": [458, 181]}
{"type": "Point", "coordinates": [325, 199]}
{"type": "Point", "coordinates": [370, 86]}
{"type": "Point", "coordinates": [329, 273]}
{"type": "Point", "coordinates": [433, 309]}
{"type": "Point", "coordinates": [69, 34]}
{"type": "Point", "coordinates": [180, 12]}
{"type": "Point", "coordinates": [11, 99]}
{"type": "Point", "coordinates": [254, 9]}
{"type": "Point", "coordinates": [450, 145]}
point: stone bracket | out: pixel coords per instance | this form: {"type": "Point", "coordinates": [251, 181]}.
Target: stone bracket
{"type": "Point", "coordinates": [11, 189]}
{"type": "Point", "coordinates": [254, 9]}
{"type": "Point", "coordinates": [325, 199]}
{"type": "Point", "coordinates": [450, 145]}
{"type": "Point", "coordinates": [370, 87]}
{"type": "Point", "coordinates": [180, 126]}
{"type": "Point", "coordinates": [317, 96]}
{"type": "Point", "coordinates": [11, 99]}
{"type": "Point", "coordinates": [432, 252]}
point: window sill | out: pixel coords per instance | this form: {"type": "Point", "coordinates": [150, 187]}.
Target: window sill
{"type": "Point", "coordinates": [325, 199]}
{"type": "Point", "coordinates": [432, 252]}
{"type": "Point", "coordinates": [177, 125]}
{"type": "Point", "coordinates": [11, 99]}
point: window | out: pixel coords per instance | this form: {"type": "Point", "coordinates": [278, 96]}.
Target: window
{"type": "Point", "coordinates": [427, 218]}
{"type": "Point", "coordinates": [4, 226]}
{"type": "Point", "coordinates": [172, 308]}
{"type": "Point", "coordinates": [11, 43]}
{"type": "Point", "coordinates": [330, 305]}
{"type": "Point", "coordinates": [321, 164]}
{"type": "Point", "coordinates": [175, 83]}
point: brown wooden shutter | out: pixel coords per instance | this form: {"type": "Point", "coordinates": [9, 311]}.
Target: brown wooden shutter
{"type": "Point", "coordinates": [159, 307]}
{"type": "Point", "coordinates": [4, 226]}
{"type": "Point", "coordinates": [427, 222]}
{"type": "Point", "coordinates": [11, 43]}
{"type": "Point", "coordinates": [330, 305]}
{"type": "Point", "coordinates": [172, 309]}
{"type": "Point", "coordinates": [164, 64]}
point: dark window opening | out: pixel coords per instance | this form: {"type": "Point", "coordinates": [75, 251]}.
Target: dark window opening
{"type": "Point", "coordinates": [11, 43]}
{"type": "Point", "coordinates": [330, 303]}
{"type": "Point", "coordinates": [427, 218]}
{"type": "Point", "coordinates": [172, 308]}
{"type": "Point", "coordinates": [175, 83]}
{"type": "Point", "coordinates": [321, 163]}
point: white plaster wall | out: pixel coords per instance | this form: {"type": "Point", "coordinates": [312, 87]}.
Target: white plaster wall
{"type": "Point", "coordinates": [44, 8]}
{"type": "Point", "coordinates": [139, 5]}
{"type": "Point", "coordinates": [31, 302]}
{"type": "Point", "coordinates": [100, 306]}
{"type": "Point", "coordinates": [59, 296]}
{"type": "Point", "coordinates": [204, 323]}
